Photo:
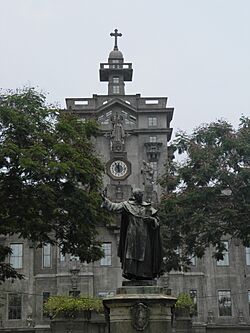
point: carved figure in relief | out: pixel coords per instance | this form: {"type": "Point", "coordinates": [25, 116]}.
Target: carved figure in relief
{"type": "Point", "coordinates": [118, 133]}
{"type": "Point", "coordinates": [147, 173]}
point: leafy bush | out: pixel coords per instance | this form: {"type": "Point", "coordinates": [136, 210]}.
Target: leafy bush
{"type": "Point", "coordinates": [71, 306]}
{"type": "Point", "coordinates": [184, 301]}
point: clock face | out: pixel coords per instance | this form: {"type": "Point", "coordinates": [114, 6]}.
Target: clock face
{"type": "Point", "coordinates": [118, 168]}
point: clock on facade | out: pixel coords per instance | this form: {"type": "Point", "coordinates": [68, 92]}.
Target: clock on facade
{"type": "Point", "coordinates": [118, 169]}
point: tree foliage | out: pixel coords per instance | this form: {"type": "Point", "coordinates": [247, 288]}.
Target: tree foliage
{"type": "Point", "coordinates": [207, 197]}
{"type": "Point", "coordinates": [49, 177]}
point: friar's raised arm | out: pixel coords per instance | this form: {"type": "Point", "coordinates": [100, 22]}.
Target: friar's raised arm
{"type": "Point", "coordinates": [112, 206]}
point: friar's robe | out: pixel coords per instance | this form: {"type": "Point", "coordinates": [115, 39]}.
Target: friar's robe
{"type": "Point", "coordinates": [140, 248]}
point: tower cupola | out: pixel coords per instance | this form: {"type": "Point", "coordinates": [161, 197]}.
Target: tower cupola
{"type": "Point", "coordinates": [115, 72]}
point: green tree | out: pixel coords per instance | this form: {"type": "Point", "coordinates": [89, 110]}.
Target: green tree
{"type": "Point", "coordinates": [49, 177]}
{"type": "Point", "coordinates": [207, 194]}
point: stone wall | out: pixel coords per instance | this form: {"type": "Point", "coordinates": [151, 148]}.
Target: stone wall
{"type": "Point", "coordinates": [87, 323]}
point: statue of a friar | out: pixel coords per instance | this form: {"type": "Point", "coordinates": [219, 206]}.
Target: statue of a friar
{"type": "Point", "coordinates": [140, 248]}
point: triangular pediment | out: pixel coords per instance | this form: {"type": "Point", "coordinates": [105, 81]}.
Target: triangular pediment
{"type": "Point", "coordinates": [114, 102]}
{"type": "Point", "coordinates": [105, 112]}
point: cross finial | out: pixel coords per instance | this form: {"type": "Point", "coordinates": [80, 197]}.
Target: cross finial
{"type": "Point", "coordinates": [115, 34]}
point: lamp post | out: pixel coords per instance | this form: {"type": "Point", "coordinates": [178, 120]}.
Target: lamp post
{"type": "Point", "coordinates": [74, 271]}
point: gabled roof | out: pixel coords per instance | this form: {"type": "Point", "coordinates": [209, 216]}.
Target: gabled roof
{"type": "Point", "coordinates": [116, 101]}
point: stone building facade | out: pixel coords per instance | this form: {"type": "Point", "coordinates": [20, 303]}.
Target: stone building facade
{"type": "Point", "coordinates": [134, 132]}
{"type": "Point", "coordinates": [220, 289]}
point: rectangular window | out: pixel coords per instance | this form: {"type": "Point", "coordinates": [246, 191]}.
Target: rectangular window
{"type": "Point", "coordinates": [16, 257]}
{"type": "Point", "coordinates": [152, 139]}
{"type": "Point", "coordinates": [116, 79]}
{"type": "Point", "coordinates": [193, 295]}
{"type": "Point", "coordinates": [248, 256]}
{"type": "Point", "coordinates": [225, 303]}
{"type": "Point", "coordinates": [116, 89]}
{"type": "Point", "coordinates": [152, 121]}
{"type": "Point", "coordinates": [106, 260]}
{"type": "Point", "coordinates": [46, 296]}
{"type": "Point", "coordinates": [225, 260]}
{"type": "Point", "coordinates": [151, 101]}
{"type": "Point", "coordinates": [46, 255]}
{"type": "Point", "coordinates": [14, 306]}
{"type": "Point", "coordinates": [81, 102]}
{"type": "Point", "coordinates": [115, 61]}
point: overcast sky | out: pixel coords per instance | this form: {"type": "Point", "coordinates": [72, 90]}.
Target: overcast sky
{"type": "Point", "coordinates": [196, 52]}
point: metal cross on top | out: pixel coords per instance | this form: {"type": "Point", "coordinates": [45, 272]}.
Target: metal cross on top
{"type": "Point", "coordinates": [115, 34]}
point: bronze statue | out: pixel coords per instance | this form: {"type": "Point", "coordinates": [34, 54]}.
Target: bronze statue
{"type": "Point", "coordinates": [140, 249]}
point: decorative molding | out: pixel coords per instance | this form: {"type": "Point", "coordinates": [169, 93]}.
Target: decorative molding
{"type": "Point", "coordinates": [140, 316]}
{"type": "Point", "coordinates": [153, 150]}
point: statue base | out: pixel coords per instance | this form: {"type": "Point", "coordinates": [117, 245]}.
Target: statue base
{"type": "Point", "coordinates": [139, 306]}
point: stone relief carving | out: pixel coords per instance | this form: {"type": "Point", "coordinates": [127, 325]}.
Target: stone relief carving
{"type": "Point", "coordinates": [140, 316]}
{"type": "Point", "coordinates": [147, 173]}
{"type": "Point", "coordinates": [117, 133]}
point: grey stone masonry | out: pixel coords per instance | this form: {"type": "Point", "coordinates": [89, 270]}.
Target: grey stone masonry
{"type": "Point", "coordinates": [140, 308]}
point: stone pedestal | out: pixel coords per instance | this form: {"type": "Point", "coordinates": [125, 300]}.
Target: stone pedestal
{"type": "Point", "coordinates": [183, 321]}
{"type": "Point", "coordinates": [139, 308]}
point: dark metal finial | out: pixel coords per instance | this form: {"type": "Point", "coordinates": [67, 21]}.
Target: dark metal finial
{"type": "Point", "coordinates": [115, 34]}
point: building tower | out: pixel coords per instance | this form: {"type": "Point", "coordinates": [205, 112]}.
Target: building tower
{"type": "Point", "coordinates": [116, 72]}
{"type": "Point", "coordinates": [134, 130]}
